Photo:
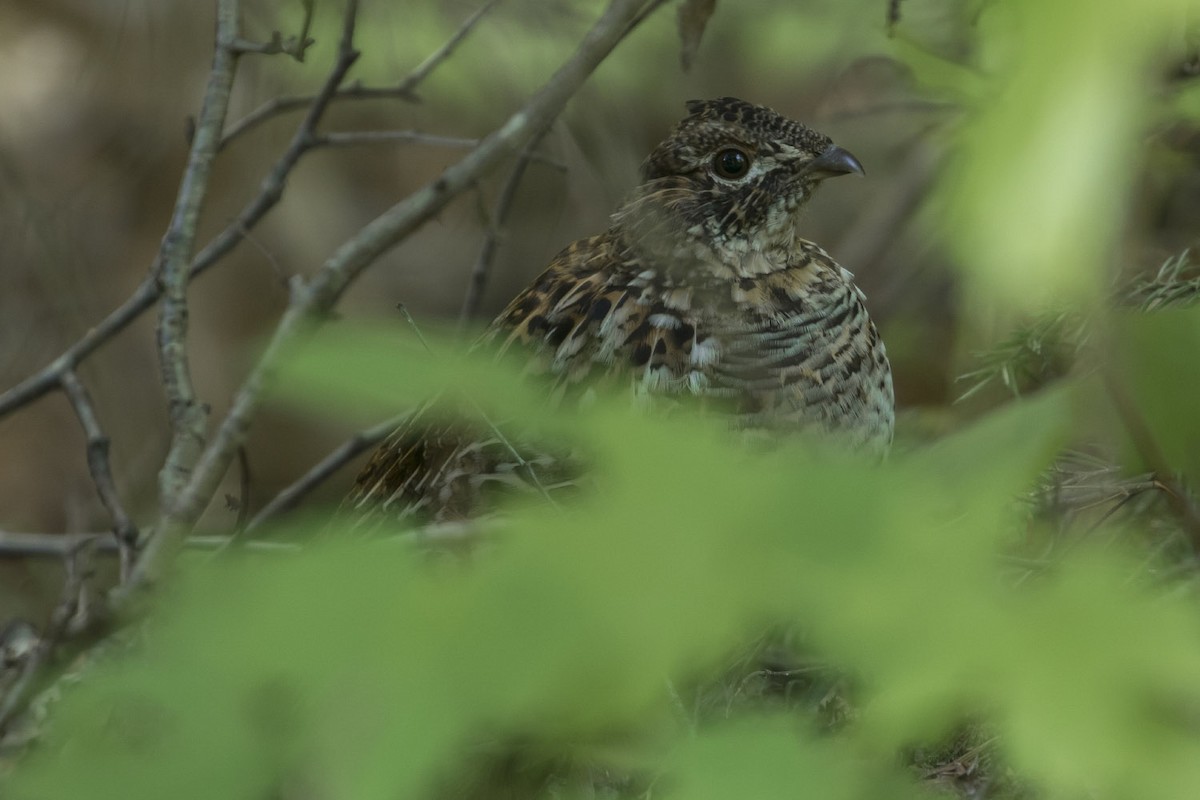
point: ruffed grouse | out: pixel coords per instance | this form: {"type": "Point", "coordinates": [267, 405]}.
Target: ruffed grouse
{"type": "Point", "coordinates": [702, 286]}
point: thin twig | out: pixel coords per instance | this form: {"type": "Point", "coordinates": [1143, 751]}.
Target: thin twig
{"type": "Point", "coordinates": [292, 496]}
{"type": "Point", "coordinates": [19, 544]}
{"type": "Point", "coordinates": [270, 191]}
{"type": "Point", "coordinates": [244, 484]}
{"type": "Point", "coordinates": [312, 300]}
{"type": "Point", "coordinates": [405, 90]}
{"type": "Point", "coordinates": [279, 105]}
{"type": "Point", "coordinates": [387, 137]}
{"type": "Point", "coordinates": [294, 46]}
{"type": "Point", "coordinates": [355, 138]}
{"type": "Point", "coordinates": [62, 620]}
{"type": "Point", "coordinates": [188, 418]}
{"type": "Point", "coordinates": [176, 518]}
{"type": "Point", "coordinates": [412, 323]}
{"type": "Point", "coordinates": [100, 467]}
{"type": "Point", "coordinates": [24, 545]}
{"type": "Point", "coordinates": [385, 231]}
{"type": "Point", "coordinates": [423, 70]}
{"type": "Point", "coordinates": [148, 292]}
{"type": "Point", "coordinates": [491, 239]}
{"type": "Point", "coordinates": [276, 45]}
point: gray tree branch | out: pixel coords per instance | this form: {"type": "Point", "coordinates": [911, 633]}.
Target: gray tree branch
{"type": "Point", "coordinates": [291, 496]}
{"type": "Point", "coordinates": [69, 616]}
{"type": "Point", "coordinates": [312, 299]}
{"type": "Point", "coordinates": [494, 230]}
{"type": "Point", "coordinates": [405, 90]}
{"type": "Point", "coordinates": [270, 192]}
{"type": "Point", "coordinates": [100, 468]}
{"type": "Point", "coordinates": [187, 416]}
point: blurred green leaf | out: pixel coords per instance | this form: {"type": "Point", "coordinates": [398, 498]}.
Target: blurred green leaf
{"type": "Point", "coordinates": [769, 758]}
{"type": "Point", "coordinates": [1032, 199]}
{"type": "Point", "coordinates": [1157, 365]}
{"type": "Point", "coordinates": [373, 372]}
{"type": "Point", "coordinates": [1089, 634]}
{"type": "Point", "coordinates": [913, 600]}
{"type": "Point", "coordinates": [693, 16]}
{"type": "Point", "coordinates": [937, 75]}
{"type": "Point", "coordinates": [1186, 101]}
{"type": "Point", "coordinates": [359, 670]}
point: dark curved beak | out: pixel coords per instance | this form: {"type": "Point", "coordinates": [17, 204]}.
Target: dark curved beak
{"type": "Point", "coordinates": [834, 161]}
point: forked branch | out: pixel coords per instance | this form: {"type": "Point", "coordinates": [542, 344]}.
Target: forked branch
{"type": "Point", "coordinates": [312, 299]}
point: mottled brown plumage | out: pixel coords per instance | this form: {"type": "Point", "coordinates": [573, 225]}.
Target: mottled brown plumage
{"type": "Point", "coordinates": [701, 287]}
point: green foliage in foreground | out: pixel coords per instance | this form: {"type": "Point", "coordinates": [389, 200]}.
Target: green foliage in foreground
{"type": "Point", "coordinates": [358, 669]}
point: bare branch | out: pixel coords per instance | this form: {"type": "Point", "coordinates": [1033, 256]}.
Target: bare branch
{"type": "Point", "coordinates": [290, 497]}
{"type": "Point", "coordinates": [301, 141]}
{"type": "Point", "coordinates": [100, 467]}
{"type": "Point", "coordinates": [354, 138]}
{"type": "Point", "coordinates": [495, 229]}
{"type": "Point", "coordinates": [219, 543]}
{"type": "Point", "coordinates": [405, 90]}
{"type": "Point", "coordinates": [294, 46]}
{"type": "Point", "coordinates": [387, 137]}
{"type": "Point", "coordinates": [18, 544]}
{"type": "Point", "coordinates": [280, 105]}
{"type": "Point", "coordinates": [311, 300]}
{"type": "Point", "coordinates": [274, 46]}
{"type": "Point", "coordinates": [244, 485]}
{"type": "Point", "coordinates": [50, 377]}
{"type": "Point", "coordinates": [299, 44]}
{"type": "Point", "coordinates": [187, 415]}
{"type": "Point", "coordinates": [149, 291]}
{"type": "Point", "coordinates": [406, 216]}
{"type": "Point", "coordinates": [67, 618]}
{"type": "Point", "coordinates": [418, 75]}
{"type": "Point", "coordinates": [23, 545]}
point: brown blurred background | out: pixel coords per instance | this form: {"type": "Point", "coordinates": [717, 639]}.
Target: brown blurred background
{"type": "Point", "coordinates": [94, 103]}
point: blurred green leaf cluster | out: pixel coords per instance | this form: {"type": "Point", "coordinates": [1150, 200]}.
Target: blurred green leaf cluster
{"type": "Point", "coordinates": [1058, 98]}
{"type": "Point", "coordinates": [360, 669]}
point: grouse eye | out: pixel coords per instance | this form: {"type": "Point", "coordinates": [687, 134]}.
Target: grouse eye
{"type": "Point", "coordinates": [731, 163]}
